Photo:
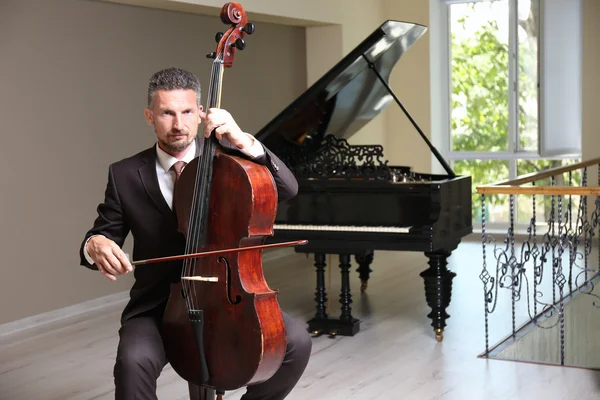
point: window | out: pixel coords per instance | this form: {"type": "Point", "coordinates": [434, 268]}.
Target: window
{"type": "Point", "coordinates": [506, 90]}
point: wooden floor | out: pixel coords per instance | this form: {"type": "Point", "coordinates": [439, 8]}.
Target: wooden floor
{"type": "Point", "coordinates": [394, 356]}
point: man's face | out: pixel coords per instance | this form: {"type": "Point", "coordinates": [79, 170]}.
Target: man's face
{"type": "Point", "coordinates": [175, 116]}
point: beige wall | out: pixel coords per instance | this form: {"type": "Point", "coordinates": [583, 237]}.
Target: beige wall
{"type": "Point", "coordinates": [74, 75]}
{"type": "Point", "coordinates": [75, 83]}
{"type": "Point", "coordinates": [410, 82]}
{"type": "Point", "coordinates": [591, 79]}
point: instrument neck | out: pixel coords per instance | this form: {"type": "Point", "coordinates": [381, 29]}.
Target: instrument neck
{"type": "Point", "coordinates": [198, 224]}
{"type": "Point", "coordinates": [214, 98]}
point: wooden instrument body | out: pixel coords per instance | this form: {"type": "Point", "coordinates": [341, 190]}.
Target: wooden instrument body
{"type": "Point", "coordinates": [244, 333]}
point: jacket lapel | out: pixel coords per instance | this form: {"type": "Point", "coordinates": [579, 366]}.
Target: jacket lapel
{"type": "Point", "coordinates": [150, 181]}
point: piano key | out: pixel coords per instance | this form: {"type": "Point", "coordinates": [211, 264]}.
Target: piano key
{"type": "Point", "coordinates": [344, 228]}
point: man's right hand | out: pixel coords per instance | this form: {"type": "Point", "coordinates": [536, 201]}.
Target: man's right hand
{"type": "Point", "coordinates": [108, 257]}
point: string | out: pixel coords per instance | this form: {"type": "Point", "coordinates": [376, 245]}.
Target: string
{"type": "Point", "coordinates": [198, 220]}
{"type": "Point", "coordinates": [192, 234]}
{"type": "Point", "coordinates": [197, 210]}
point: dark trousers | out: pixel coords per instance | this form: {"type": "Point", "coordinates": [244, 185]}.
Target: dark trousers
{"type": "Point", "coordinates": [141, 358]}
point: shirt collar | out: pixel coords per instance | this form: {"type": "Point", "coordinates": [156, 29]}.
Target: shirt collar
{"type": "Point", "coordinates": [166, 160]}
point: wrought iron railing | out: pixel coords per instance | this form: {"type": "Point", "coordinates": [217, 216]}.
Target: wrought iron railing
{"type": "Point", "coordinates": [551, 261]}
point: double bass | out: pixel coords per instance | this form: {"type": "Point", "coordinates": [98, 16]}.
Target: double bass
{"type": "Point", "coordinates": [222, 326]}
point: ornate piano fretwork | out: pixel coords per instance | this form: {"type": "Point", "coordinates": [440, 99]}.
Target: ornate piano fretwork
{"type": "Point", "coordinates": [336, 158]}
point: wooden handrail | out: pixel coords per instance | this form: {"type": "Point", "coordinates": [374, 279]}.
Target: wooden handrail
{"type": "Point", "coordinates": [547, 173]}
{"type": "Point", "coordinates": [543, 190]}
{"type": "Point", "coordinates": [514, 186]}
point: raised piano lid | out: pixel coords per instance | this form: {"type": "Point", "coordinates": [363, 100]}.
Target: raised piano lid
{"type": "Point", "coordinates": [346, 98]}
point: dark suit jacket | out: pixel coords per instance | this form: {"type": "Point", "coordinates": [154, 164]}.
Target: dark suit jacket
{"type": "Point", "coordinates": [134, 203]}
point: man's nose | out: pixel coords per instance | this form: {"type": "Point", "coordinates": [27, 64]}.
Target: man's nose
{"type": "Point", "coordinates": [177, 122]}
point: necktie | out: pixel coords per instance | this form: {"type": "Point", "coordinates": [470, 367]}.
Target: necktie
{"type": "Point", "coordinates": [177, 167]}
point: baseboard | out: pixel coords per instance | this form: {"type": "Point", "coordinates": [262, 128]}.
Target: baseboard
{"type": "Point", "coordinates": [49, 317]}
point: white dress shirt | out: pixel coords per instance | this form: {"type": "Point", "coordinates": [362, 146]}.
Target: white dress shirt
{"type": "Point", "coordinates": [166, 177]}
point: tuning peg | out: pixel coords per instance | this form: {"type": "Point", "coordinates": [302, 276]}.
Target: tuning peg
{"type": "Point", "coordinates": [219, 36]}
{"type": "Point", "coordinates": [211, 55]}
{"type": "Point", "coordinates": [249, 28]}
{"type": "Point", "coordinates": [239, 43]}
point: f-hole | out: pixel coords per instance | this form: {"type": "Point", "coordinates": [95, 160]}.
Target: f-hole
{"type": "Point", "coordinates": [238, 298]}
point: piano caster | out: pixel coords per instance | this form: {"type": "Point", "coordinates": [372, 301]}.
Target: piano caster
{"type": "Point", "coordinates": [320, 332]}
{"type": "Point", "coordinates": [439, 335]}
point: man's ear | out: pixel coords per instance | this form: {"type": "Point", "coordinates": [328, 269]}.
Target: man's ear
{"type": "Point", "coordinates": [200, 114]}
{"type": "Point", "coordinates": [149, 116]}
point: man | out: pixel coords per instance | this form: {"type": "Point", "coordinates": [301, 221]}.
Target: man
{"type": "Point", "coordinates": [138, 199]}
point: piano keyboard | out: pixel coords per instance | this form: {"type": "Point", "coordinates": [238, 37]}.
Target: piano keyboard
{"type": "Point", "coordinates": [344, 228]}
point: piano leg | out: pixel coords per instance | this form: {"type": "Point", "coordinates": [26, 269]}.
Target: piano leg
{"type": "Point", "coordinates": [364, 271]}
{"type": "Point", "coordinates": [321, 293]}
{"type": "Point", "coordinates": [345, 294]}
{"type": "Point", "coordinates": [346, 325]}
{"type": "Point", "coordinates": [438, 290]}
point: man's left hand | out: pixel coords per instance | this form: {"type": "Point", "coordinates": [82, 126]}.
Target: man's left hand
{"type": "Point", "coordinates": [223, 124]}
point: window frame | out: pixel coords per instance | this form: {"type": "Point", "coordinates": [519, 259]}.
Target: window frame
{"type": "Point", "coordinates": [441, 96]}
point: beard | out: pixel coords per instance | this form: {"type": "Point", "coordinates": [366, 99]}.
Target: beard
{"type": "Point", "coordinates": [176, 145]}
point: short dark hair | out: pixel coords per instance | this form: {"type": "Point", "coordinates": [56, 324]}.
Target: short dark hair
{"type": "Point", "coordinates": [172, 79]}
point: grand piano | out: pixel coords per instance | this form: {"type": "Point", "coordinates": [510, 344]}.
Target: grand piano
{"type": "Point", "coordinates": [351, 202]}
